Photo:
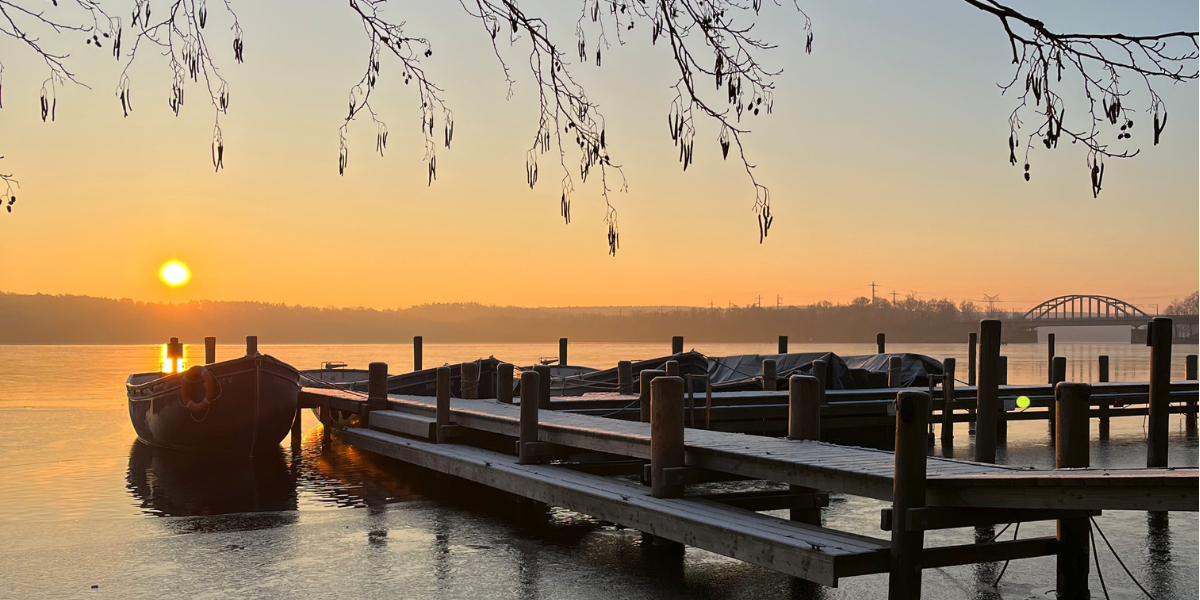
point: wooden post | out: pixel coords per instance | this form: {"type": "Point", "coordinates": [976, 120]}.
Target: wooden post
{"type": "Point", "coordinates": [418, 351]}
{"type": "Point", "coordinates": [1160, 332]}
{"type": "Point", "coordinates": [528, 429]}
{"type": "Point", "coordinates": [804, 423]}
{"type": "Point", "coordinates": [210, 350]}
{"type": "Point", "coordinates": [251, 345]}
{"type": "Point", "coordinates": [768, 376]}
{"type": "Point", "coordinates": [504, 383]}
{"type": "Point", "coordinates": [543, 398]}
{"type": "Point", "coordinates": [948, 400]}
{"type": "Point", "coordinates": [562, 352]}
{"type": "Point", "coordinates": [469, 382]}
{"type": "Point", "coordinates": [1189, 367]}
{"type": "Point", "coordinates": [1071, 451]}
{"type": "Point", "coordinates": [1103, 402]}
{"type": "Point", "coordinates": [880, 344]}
{"type": "Point", "coordinates": [783, 344]}
{"type": "Point", "coordinates": [908, 492]}
{"type": "Point", "coordinates": [987, 393]}
{"type": "Point", "coordinates": [1058, 374]}
{"type": "Point", "coordinates": [819, 370]}
{"type": "Point", "coordinates": [672, 368]}
{"type": "Point", "coordinates": [1050, 357]}
{"type": "Point", "coordinates": [895, 372]}
{"type": "Point", "coordinates": [442, 406]}
{"type": "Point", "coordinates": [972, 341]}
{"type": "Point", "coordinates": [677, 344]}
{"type": "Point", "coordinates": [1003, 370]}
{"type": "Point", "coordinates": [296, 430]}
{"type": "Point", "coordinates": [377, 373]}
{"type": "Point", "coordinates": [666, 437]}
{"type": "Point", "coordinates": [625, 377]}
{"type": "Point", "coordinates": [646, 377]}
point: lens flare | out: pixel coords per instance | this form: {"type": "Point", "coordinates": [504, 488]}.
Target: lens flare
{"type": "Point", "coordinates": [174, 273]}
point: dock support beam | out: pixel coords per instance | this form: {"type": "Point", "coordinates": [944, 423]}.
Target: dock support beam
{"type": "Point", "coordinates": [1102, 377]}
{"type": "Point", "coordinates": [1050, 358]}
{"type": "Point", "coordinates": [210, 350]}
{"type": "Point", "coordinates": [377, 373]}
{"type": "Point", "coordinates": [442, 407]}
{"type": "Point", "coordinates": [783, 344]}
{"type": "Point", "coordinates": [251, 345]}
{"type": "Point", "coordinates": [1058, 374]}
{"type": "Point", "coordinates": [908, 492]}
{"type": "Point", "coordinates": [646, 377]}
{"type": "Point", "coordinates": [987, 403]}
{"type": "Point", "coordinates": [625, 377]}
{"type": "Point", "coordinates": [895, 372]}
{"type": "Point", "coordinates": [418, 351]}
{"type": "Point", "coordinates": [504, 383]}
{"type": "Point", "coordinates": [804, 423]}
{"type": "Point", "coordinates": [666, 437]}
{"type": "Point", "coordinates": [880, 344]}
{"type": "Point", "coordinates": [562, 352]}
{"type": "Point", "coordinates": [769, 383]}
{"type": "Point", "coordinates": [528, 429]}
{"type": "Point", "coordinates": [948, 401]}
{"type": "Point", "coordinates": [1071, 446]}
{"type": "Point", "coordinates": [677, 344]}
{"type": "Point", "coordinates": [1159, 422]}
{"type": "Point", "coordinates": [543, 397]}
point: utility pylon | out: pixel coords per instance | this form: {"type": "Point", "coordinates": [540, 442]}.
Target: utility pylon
{"type": "Point", "coordinates": [873, 286]}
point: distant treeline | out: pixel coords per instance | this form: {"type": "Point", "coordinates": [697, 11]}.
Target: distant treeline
{"type": "Point", "coordinates": [45, 319]}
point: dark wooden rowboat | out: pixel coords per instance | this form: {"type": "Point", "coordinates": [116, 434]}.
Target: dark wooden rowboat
{"type": "Point", "coordinates": [253, 410]}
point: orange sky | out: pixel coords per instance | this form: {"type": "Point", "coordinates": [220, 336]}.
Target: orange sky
{"type": "Point", "coordinates": [886, 160]}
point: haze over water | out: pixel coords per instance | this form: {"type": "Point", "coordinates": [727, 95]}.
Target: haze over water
{"type": "Point", "coordinates": [84, 504]}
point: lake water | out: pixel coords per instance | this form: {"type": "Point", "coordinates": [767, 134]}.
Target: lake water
{"type": "Point", "coordinates": [88, 512]}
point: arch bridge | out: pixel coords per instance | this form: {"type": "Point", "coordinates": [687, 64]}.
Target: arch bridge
{"type": "Point", "coordinates": [1082, 310]}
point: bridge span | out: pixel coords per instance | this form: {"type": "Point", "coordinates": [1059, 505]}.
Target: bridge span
{"type": "Point", "coordinates": [1089, 310]}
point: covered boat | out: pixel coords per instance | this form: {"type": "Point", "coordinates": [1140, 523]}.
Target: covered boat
{"type": "Point", "coordinates": [243, 406]}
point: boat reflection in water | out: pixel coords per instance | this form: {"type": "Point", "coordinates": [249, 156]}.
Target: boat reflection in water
{"type": "Point", "coordinates": [173, 483]}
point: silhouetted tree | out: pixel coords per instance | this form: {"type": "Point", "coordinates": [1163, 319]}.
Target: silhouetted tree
{"type": "Point", "coordinates": [1185, 306]}
{"type": "Point", "coordinates": [707, 40]}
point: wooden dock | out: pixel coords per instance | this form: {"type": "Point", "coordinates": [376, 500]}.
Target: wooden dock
{"type": "Point", "coordinates": [586, 450]}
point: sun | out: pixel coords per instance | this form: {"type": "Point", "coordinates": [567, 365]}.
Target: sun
{"type": "Point", "coordinates": [174, 273]}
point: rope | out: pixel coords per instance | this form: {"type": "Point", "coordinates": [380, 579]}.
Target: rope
{"type": "Point", "coordinates": [1096, 558]}
{"type": "Point", "coordinates": [996, 583]}
{"type": "Point", "coordinates": [1119, 561]}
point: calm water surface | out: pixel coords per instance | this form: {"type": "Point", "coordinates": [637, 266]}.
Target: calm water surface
{"type": "Point", "coordinates": [82, 504]}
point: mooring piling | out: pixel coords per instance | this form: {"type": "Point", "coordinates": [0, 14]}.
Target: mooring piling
{"type": "Point", "coordinates": [562, 352]}
{"type": "Point", "coordinates": [1050, 358]}
{"type": "Point", "coordinates": [469, 382]}
{"type": "Point", "coordinates": [1071, 447]}
{"type": "Point", "coordinates": [645, 378]}
{"type": "Point", "coordinates": [672, 368]}
{"type": "Point", "coordinates": [1058, 374]}
{"type": "Point", "coordinates": [1189, 367]}
{"type": "Point", "coordinates": [377, 373]}
{"type": "Point", "coordinates": [908, 493]}
{"type": "Point", "coordinates": [251, 345]}
{"type": "Point", "coordinates": [1002, 370]}
{"type": "Point", "coordinates": [948, 400]}
{"type": "Point", "coordinates": [769, 383]}
{"type": "Point", "coordinates": [987, 403]}
{"type": "Point", "coordinates": [210, 350]}
{"type": "Point", "coordinates": [804, 423]}
{"type": "Point", "coordinates": [625, 377]}
{"type": "Point", "coordinates": [895, 372]}
{"type": "Point", "coordinates": [1159, 421]}
{"type": "Point", "coordinates": [1102, 377]}
{"type": "Point", "coordinates": [1189, 374]}
{"type": "Point", "coordinates": [677, 344]}
{"type": "Point", "coordinates": [880, 344]}
{"type": "Point", "coordinates": [972, 342]}
{"type": "Point", "coordinates": [819, 370]}
{"type": "Point", "coordinates": [543, 397]}
{"type": "Point", "coordinates": [418, 350]}
{"type": "Point", "coordinates": [666, 437]}
{"type": "Point", "coordinates": [528, 428]}
{"type": "Point", "coordinates": [504, 383]}
{"type": "Point", "coordinates": [442, 403]}
{"type": "Point", "coordinates": [783, 344]}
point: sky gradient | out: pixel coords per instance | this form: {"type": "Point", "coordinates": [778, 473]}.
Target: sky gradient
{"type": "Point", "coordinates": [886, 157]}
